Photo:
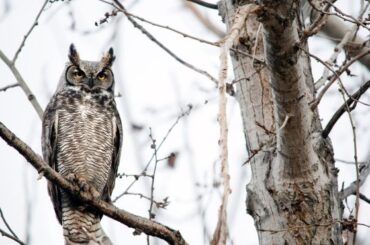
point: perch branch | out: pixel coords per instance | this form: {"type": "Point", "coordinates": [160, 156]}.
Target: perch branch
{"type": "Point", "coordinates": [133, 221]}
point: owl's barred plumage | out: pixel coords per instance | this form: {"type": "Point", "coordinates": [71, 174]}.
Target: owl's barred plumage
{"type": "Point", "coordinates": [82, 137]}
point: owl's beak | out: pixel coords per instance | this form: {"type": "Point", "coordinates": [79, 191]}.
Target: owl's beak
{"type": "Point", "coordinates": [90, 82]}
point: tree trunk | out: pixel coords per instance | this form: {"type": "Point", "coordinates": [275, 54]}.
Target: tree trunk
{"type": "Point", "coordinates": [293, 194]}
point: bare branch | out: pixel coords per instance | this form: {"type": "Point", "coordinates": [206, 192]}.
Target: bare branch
{"type": "Point", "coordinates": [34, 24]}
{"type": "Point", "coordinates": [204, 4]}
{"type": "Point", "coordinates": [122, 9]}
{"type": "Point", "coordinates": [3, 89]}
{"type": "Point", "coordinates": [133, 221]}
{"type": "Point", "coordinates": [351, 100]}
{"type": "Point", "coordinates": [143, 173]}
{"type": "Point", "coordinates": [4, 233]}
{"type": "Point", "coordinates": [154, 147]}
{"type": "Point", "coordinates": [6, 224]}
{"type": "Point", "coordinates": [216, 44]}
{"type": "Point", "coordinates": [338, 49]}
{"type": "Point", "coordinates": [335, 29]}
{"type": "Point", "coordinates": [364, 170]}
{"type": "Point", "coordinates": [31, 97]}
{"type": "Point", "coordinates": [336, 75]}
{"type": "Point", "coordinates": [364, 198]}
{"type": "Point", "coordinates": [205, 21]}
{"type": "Point", "coordinates": [353, 127]}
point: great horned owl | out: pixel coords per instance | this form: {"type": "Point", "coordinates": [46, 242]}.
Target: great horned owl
{"type": "Point", "coordinates": [81, 139]}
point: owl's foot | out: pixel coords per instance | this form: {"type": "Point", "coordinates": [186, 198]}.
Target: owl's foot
{"type": "Point", "coordinates": [84, 186]}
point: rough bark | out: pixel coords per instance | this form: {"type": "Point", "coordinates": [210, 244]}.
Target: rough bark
{"type": "Point", "coordinates": [293, 194]}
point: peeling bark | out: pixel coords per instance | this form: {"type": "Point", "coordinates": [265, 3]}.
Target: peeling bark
{"type": "Point", "coordinates": [293, 195]}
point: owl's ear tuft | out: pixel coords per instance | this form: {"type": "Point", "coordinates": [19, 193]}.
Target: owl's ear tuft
{"type": "Point", "coordinates": [108, 58]}
{"type": "Point", "coordinates": [73, 55]}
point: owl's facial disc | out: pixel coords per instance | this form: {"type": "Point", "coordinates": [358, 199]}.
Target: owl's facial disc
{"type": "Point", "coordinates": [101, 80]}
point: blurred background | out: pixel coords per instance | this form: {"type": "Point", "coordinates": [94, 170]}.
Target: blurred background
{"type": "Point", "coordinates": [157, 95]}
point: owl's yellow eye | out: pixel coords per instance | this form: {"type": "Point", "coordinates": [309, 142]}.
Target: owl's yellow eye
{"type": "Point", "coordinates": [77, 74]}
{"type": "Point", "coordinates": [101, 76]}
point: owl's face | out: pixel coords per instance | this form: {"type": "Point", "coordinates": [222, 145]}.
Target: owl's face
{"type": "Point", "coordinates": [89, 75]}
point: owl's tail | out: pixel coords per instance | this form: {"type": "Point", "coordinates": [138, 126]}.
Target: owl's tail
{"type": "Point", "coordinates": [81, 227]}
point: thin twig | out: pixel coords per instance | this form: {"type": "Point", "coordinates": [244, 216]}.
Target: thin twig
{"type": "Point", "coordinates": [34, 24]}
{"type": "Point", "coordinates": [309, 226]}
{"type": "Point", "coordinates": [154, 147]}
{"type": "Point", "coordinates": [338, 49]}
{"type": "Point", "coordinates": [158, 147]}
{"type": "Point", "coordinates": [147, 226]}
{"type": "Point", "coordinates": [122, 9]}
{"type": "Point", "coordinates": [204, 4]}
{"type": "Point", "coordinates": [351, 189]}
{"type": "Point", "coordinates": [357, 169]}
{"type": "Point", "coordinates": [204, 20]}
{"type": "Point", "coordinates": [364, 198]}
{"type": "Point", "coordinates": [336, 76]}
{"type": "Point", "coordinates": [351, 100]}
{"type": "Point", "coordinates": [346, 162]}
{"type": "Point", "coordinates": [6, 223]}
{"type": "Point", "coordinates": [4, 233]}
{"type": "Point", "coordinates": [3, 89]}
{"type": "Point", "coordinates": [318, 23]}
{"type": "Point", "coordinates": [215, 44]}
{"type": "Point", "coordinates": [158, 204]}
{"type": "Point", "coordinates": [348, 18]}
{"type": "Point", "coordinates": [155, 151]}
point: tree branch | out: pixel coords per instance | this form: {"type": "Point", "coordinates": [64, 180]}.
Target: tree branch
{"type": "Point", "coordinates": [34, 24]}
{"type": "Point", "coordinates": [22, 83]}
{"type": "Point", "coordinates": [6, 223]}
{"type": "Point", "coordinates": [122, 9]}
{"type": "Point", "coordinates": [353, 98]}
{"type": "Point", "coordinates": [364, 198]}
{"type": "Point", "coordinates": [3, 89]}
{"type": "Point", "coordinates": [335, 28]}
{"type": "Point", "coordinates": [133, 221]}
{"type": "Point", "coordinates": [4, 233]}
{"type": "Point", "coordinates": [351, 189]}
{"type": "Point", "coordinates": [204, 4]}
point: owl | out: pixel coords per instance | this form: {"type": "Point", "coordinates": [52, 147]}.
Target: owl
{"type": "Point", "coordinates": [81, 140]}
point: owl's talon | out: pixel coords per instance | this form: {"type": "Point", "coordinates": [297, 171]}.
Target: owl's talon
{"type": "Point", "coordinates": [83, 185]}
{"type": "Point", "coordinates": [71, 178]}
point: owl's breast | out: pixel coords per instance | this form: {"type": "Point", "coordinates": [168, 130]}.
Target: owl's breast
{"type": "Point", "coordinates": [85, 139]}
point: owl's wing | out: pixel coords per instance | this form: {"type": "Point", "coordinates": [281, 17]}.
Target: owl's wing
{"type": "Point", "coordinates": [49, 139]}
{"type": "Point", "coordinates": [117, 128]}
